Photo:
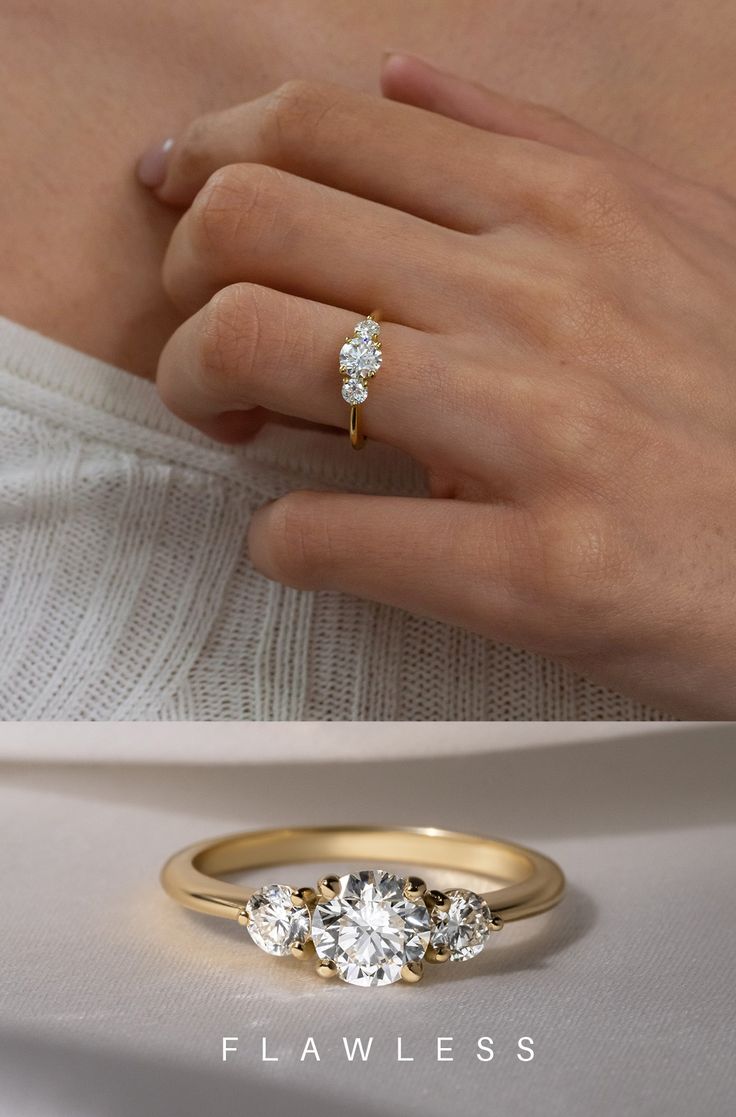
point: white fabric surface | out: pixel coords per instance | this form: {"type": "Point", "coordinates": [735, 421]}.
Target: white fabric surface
{"type": "Point", "coordinates": [114, 1000]}
{"type": "Point", "coordinates": [126, 593]}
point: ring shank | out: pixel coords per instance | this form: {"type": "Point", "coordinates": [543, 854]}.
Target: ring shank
{"type": "Point", "coordinates": [533, 882]}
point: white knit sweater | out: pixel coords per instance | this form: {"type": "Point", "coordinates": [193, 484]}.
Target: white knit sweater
{"type": "Point", "coordinates": [126, 593]}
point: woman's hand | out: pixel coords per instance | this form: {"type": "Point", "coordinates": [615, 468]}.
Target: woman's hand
{"type": "Point", "coordinates": [559, 347]}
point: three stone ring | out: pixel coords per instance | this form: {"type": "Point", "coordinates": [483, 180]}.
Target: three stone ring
{"type": "Point", "coordinates": [369, 926]}
{"type": "Point", "coordinates": [360, 359]}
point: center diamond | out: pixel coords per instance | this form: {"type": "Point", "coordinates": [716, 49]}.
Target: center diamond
{"type": "Point", "coordinates": [360, 357]}
{"type": "Point", "coordinates": [370, 929]}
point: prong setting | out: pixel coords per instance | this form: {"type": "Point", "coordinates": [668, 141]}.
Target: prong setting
{"type": "Point", "coordinates": [371, 927]}
{"type": "Point", "coordinates": [329, 887]}
{"type": "Point", "coordinates": [302, 950]}
{"type": "Point", "coordinates": [436, 955]}
{"type": "Point", "coordinates": [436, 899]}
{"type": "Point", "coordinates": [360, 359]}
{"type": "Point", "coordinates": [414, 888]}
{"type": "Point", "coordinates": [303, 897]}
{"type": "Point", "coordinates": [412, 972]}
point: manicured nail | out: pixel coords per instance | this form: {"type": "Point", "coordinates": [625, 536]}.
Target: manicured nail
{"type": "Point", "coordinates": [392, 52]}
{"type": "Point", "coordinates": [151, 169]}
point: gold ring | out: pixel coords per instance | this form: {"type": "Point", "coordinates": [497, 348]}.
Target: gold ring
{"type": "Point", "coordinates": [368, 926]}
{"type": "Point", "coordinates": [360, 359]}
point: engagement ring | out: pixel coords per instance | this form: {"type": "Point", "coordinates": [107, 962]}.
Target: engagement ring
{"type": "Point", "coordinates": [360, 359]}
{"type": "Point", "coordinates": [367, 926]}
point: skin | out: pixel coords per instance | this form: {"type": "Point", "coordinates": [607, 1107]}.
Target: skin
{"type": "Point", "coordinates": [558, 327]}
{"type": "Point", "coordinates": [568, 476]}
{"type": "Point", "coordinates": [86, 86]}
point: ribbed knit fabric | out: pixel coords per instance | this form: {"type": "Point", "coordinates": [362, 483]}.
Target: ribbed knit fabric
{"type": "Point", "coordinates": [126, 592]}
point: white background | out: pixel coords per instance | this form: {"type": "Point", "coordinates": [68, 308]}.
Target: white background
{"type": "Point", "coordinates": [114, 1000]}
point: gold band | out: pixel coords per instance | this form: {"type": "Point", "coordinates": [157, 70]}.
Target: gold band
{"type": "Point", "coordinates": [357, 438]}
{"type": "Point", "coordinates": [529, 882]}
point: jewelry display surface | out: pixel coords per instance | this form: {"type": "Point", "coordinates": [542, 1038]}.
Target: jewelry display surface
{"type": "Point", "coordinates": [112, 995]}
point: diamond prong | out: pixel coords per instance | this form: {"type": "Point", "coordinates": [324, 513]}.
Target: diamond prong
{"type": "Point", "coordinates": [437, 954]}
{"type": "Point", "coordinates": [412, 972]}
{"type": "Point", "coordinates": [495, 922]}
{"type": "Point", "coordinates": [326, 968]}
{"type": "Point", "coordinates": [414, 888]}
{"type": "Point", "coordinates": [302, 950]}
{"type": "Point", "coordinates": [329, 887]}
{"type": "Point", "coordinates": [243, 918]}
{"type": "Point", "coordinates": [303, 897]}
{"type": "Point", "coordinates": [436, 899]}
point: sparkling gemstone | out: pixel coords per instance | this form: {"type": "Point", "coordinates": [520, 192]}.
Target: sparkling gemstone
{"type": "Point", "coordinates": [465, 927]}
{"type": "Point", "coordinates": [360, 357]}
{"type": "Point", "coordinates": [370, 929]}
{"type": "Point", "coordinates": [354, 391]}
{"type": "Point", "coordinates": [275, 923]}
{"type": "Point", "coordinates": [368, 327]}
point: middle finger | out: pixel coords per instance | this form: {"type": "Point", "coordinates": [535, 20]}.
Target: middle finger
{"type": "Point", "coordinates": [261, 225]}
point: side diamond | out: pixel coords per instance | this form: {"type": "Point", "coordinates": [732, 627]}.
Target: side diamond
{"type": "Point", "coordinates": [368, 327]}
{"type": "Point", "coordinates": [275, 922]}
{"type": "Point", "coordinates": [464, 927]}
{"type": "Point", "coordinates": [354, 391]}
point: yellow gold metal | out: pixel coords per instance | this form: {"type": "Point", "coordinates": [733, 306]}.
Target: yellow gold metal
{"type": "Point", "coordinates": [414, 888]}
{"type": "Point", "coordinates": [437, 954]}
{"type": "Point", "coordinates": [357, 438]}
{"type": "Point", "coordinates": [326, 968]}
{"type": "Point", "coordinates": [301, 950]}
{"type": "Point", "coordinates": [329, 887]}
{"type": "Point", "coordinates": [303, 897]}
{"type": "Point", "coordinates": [412, 972]}
{"type": "Point", "coordinates": [526, 882]}
{"type": "Point", "coordinates": [495, 922]}
{"type": "Point", "coordinates": [436, 899]}
{"type": "Point", "coordinates": [243, 918]}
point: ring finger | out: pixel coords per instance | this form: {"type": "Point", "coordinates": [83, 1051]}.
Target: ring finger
{"type": "Point", "coordinates": [253, 347]}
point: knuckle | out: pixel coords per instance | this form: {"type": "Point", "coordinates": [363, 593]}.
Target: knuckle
{"type": "Point", "coordinates": [293, 111]}
{"type": "Point", "coordinates": [238, 199]}
{"type": "Point", "coordinates": [588, 196]}
{"type": "Point", "coordinates": [229, 341]}
{"type": "Point", "coordinates": [219, 208]}
{"type": "Point", "coordinates": [606, 204]}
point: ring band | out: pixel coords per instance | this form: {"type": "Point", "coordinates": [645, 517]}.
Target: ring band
{"type": "Point", "coordinates": [360, 359]}
{"type": "Point", "coordinates": [368, 927]}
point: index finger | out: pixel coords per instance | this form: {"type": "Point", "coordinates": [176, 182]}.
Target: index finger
{"type": "Point", "coordinates": [440, 169]}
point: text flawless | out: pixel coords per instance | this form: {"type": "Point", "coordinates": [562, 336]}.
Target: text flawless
{"type": "Point", "coordinates": [357, 1049]}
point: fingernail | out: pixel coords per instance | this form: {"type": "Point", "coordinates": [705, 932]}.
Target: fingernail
{"type": "Point", "coordinates": [392, 52]}
{"type": "Point", "coordinates": [151, 169]}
